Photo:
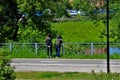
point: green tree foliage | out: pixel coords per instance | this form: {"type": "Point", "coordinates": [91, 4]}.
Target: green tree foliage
{"type": "Point", "coordinates": [8, 20]}
{"type": "Point", "coordinates": [115, 21]}
{"type": "Point", "coordinates": [40, 13]}
{"type": "Point", "coordinates": [114, 25]}
{"type": "Point", "coordinates": [35, 15]}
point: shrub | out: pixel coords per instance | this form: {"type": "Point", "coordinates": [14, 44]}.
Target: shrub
{"type": "Point", "coordinates": [6, 70]}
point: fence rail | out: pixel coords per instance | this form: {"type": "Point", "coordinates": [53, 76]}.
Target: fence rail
{"type": "Point", "coordinates": [67, 48]}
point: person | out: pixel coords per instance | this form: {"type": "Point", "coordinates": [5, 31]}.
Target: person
{"type": "Point", "coordinates": [59, 41]}
{"type": "Point", "coordinates": [49, 46]}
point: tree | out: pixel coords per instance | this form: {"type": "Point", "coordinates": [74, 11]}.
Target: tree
{"type": "Point", "coordinates": [114, 21]}
{"type": "Point", "coordinates": [17, 15]}
{"type": "Point", "coordinates": [8, 20]}
{"type": "Point", "coordinates": [40, 13]}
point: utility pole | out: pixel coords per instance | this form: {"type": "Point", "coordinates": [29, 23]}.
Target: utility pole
{"type": "Point", "coordinates": [108, 44]}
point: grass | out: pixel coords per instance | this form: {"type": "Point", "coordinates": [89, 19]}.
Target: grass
{"type": "Point", "coordinates": [85, 56]}
{"type": "Point", "coordinates": [28, 53]}
{"type": "Point", "coordinates": [25, 54]}
{"type": "Point", "coordinates": [64, 56]}
{"type": "Point", "coordinates": [79, 31]}
{"type": "Point", "coordinates": [66, 76]}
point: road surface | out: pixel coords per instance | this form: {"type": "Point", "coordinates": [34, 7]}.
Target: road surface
{"type": "Point", "coordinates": [65, 65]}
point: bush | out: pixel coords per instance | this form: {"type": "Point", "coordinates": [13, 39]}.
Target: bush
{"type": "Point", "coordinates": [6, 71]}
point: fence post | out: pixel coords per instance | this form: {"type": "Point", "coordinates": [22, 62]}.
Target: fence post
{"type": "Point", "coordinates": [92, 48]}
{"type": "Point", "coordinates": [36, 49]}
{"type": "Point", "coordinates": [78, 49]}
{"type": "Point", "coordinates": [63, 48]}
{"type": "Point", "coordinates": [10, 45]}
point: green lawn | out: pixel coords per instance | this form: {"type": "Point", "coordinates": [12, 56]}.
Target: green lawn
{"type": "Point", "coordinates": [79, 31]}
{"type": "Point", "coordinates": [66, 76]}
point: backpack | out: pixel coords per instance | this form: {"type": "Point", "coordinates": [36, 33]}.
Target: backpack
{"type": "Point", "coordinates": [58, 41]}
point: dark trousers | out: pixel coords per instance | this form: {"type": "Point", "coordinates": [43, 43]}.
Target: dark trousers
{"type": "Point", "coordinates": [57, 51]}
{"type": "Point", "coordinates": [49, 51]}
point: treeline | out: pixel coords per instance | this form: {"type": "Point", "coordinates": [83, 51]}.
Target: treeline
{"type": "Point", "coordinates": [30, 20]}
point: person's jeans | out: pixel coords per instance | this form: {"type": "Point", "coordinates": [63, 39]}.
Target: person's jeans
{"type": "Point", "coordinates": [57, 51]}
{"type": "Point", "coordinates": [49, 51]}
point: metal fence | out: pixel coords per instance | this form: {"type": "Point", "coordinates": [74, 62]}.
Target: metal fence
{"type": "Point", "coordinates": [67, 48]}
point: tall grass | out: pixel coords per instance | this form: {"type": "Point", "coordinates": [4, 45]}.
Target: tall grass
{"type": "Point", "coordinates": [29, 53]}
{"type": "Point", "coordinates": [25, 54]}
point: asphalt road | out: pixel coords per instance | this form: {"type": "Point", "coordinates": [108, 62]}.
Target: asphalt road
{"type": "Point", "coordinates": [65, 65]}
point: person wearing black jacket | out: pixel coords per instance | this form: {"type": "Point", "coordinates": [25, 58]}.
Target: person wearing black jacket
{"type": "Point", "coordinates": [49, 45]}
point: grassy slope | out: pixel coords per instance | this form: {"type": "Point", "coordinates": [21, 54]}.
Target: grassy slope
{"type": "Point", "coordinates": [79, 31]}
